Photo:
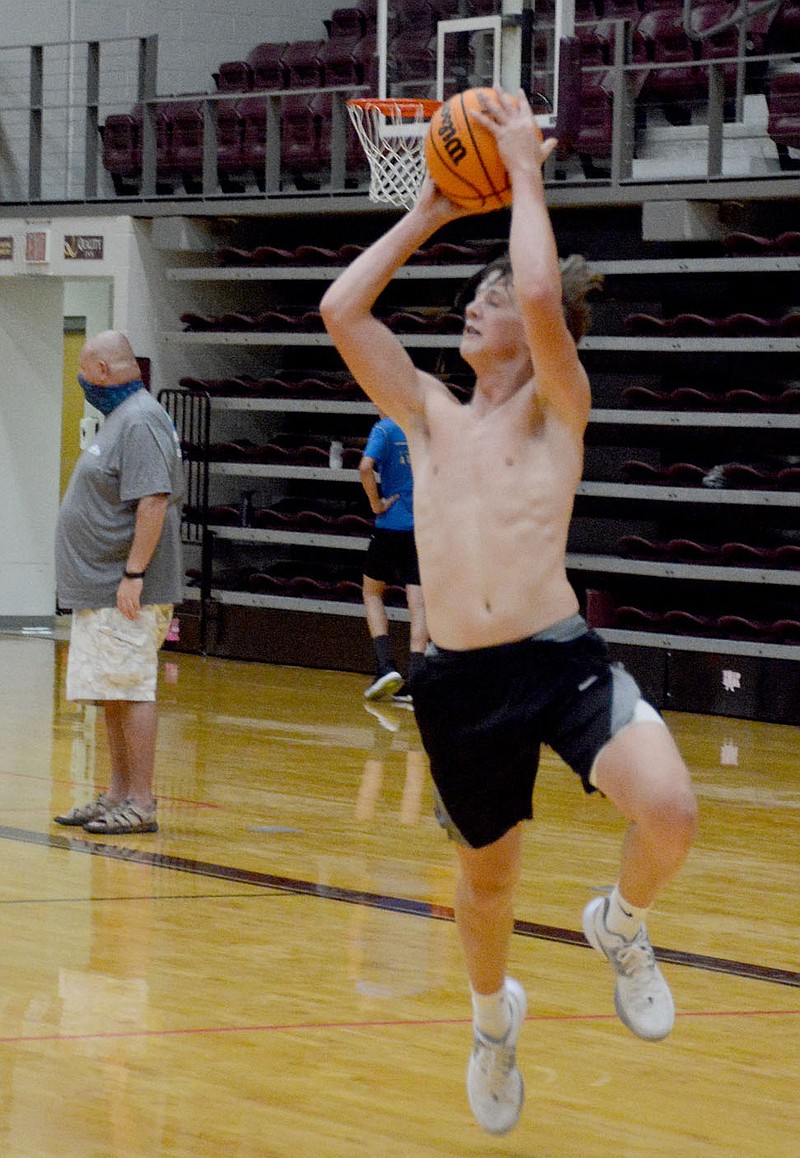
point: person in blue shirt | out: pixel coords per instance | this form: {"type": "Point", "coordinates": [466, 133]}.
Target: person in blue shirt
{"type": "Point", "coordinates": [391, 555]}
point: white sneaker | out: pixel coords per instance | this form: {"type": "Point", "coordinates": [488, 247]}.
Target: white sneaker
{"type": "Point", "coordinates": [495, 1087]}
{"type": "Point", "coordinates": [641, 995]}
{"type": "Point", "coordinates": [384, 686]}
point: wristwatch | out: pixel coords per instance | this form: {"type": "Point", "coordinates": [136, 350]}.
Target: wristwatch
{"type": "Point", "coordinates": [133, 574]}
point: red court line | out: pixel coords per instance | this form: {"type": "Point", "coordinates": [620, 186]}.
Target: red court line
{"type": "Point", "coordinates": [396, 1023]}
{"type": "Point", "coordinates": [74, 784]}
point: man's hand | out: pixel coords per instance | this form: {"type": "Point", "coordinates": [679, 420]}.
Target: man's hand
{"type": "Point", "coordinates": [129, 595]}
{"type": "Point", "coordinates": [511, 122]}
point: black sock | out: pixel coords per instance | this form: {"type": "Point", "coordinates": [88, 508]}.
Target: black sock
{"type": "Point", "coordinates": [415, 661]}
{"type": "Point", "coordinates": [383, 654]}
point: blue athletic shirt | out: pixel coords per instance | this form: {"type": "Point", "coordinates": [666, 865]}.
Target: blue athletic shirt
{"type": "Point", "coordinates": [388, 447]}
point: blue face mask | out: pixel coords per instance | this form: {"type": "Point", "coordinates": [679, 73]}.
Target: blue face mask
{"type": "Point", "coordinates": [107, 398]}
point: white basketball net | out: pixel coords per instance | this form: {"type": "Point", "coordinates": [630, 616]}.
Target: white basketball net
{"type": "Point", "coordinates": [392, 134]}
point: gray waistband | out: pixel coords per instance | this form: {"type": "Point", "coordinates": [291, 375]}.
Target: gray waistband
{"type": "Point", "coordinates": [562, 631]}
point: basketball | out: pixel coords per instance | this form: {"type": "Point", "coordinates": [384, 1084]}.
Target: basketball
{"type": "Point", "coordinates": [462, 156]}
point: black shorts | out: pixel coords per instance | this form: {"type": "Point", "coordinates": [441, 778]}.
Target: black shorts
{"type": "Point", "coordinates": [484, 714]}
{"type": "Point", "coordinates": [392, 558]}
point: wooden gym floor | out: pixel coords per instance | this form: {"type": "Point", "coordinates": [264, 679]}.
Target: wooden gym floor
{"type": "Point", "coordinates": [276, 974]}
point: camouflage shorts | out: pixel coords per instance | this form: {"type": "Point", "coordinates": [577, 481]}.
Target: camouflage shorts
{"type": "Point", "coordinates": [114, 658]}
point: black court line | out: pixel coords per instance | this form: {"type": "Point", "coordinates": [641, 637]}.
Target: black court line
{"type": "Point", "coordinates": [404, 905]}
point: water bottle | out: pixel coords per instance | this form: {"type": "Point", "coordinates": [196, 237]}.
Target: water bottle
{"type": "Point", "coordinates": [335, 459]}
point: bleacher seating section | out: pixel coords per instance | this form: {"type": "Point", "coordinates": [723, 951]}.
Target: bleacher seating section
{"type": "Point", "coordinates": [677, 85]}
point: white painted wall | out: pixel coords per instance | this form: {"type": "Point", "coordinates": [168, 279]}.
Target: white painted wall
{"type": "Point", "coordinates": [30, 437]}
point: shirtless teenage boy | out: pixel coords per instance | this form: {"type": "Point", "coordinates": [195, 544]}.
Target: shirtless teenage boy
{"type": "Point", "coordinates": [512, 663]}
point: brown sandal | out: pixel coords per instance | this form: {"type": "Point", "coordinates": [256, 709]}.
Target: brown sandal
{"type": "Point", "coordinates": [124, 818]}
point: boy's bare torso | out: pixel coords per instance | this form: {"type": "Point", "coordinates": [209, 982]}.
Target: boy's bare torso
{"type": "Point", "coordinates": [494, 486]}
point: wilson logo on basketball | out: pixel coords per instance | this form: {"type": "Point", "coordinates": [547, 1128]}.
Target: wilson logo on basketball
{"type": "Point", "coordinates": [452, 143]}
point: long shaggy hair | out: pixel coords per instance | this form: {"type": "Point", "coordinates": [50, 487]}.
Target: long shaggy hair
{"type": "Point", "coordinates": [578, 280]}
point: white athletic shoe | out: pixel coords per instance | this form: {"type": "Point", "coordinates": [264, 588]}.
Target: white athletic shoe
{"type": "Point", "coordinates": [641, 995]}
{"type": "Point", "coordinates": [495, 1087]}
{"type": "Point", "coordinates": [384, 686]}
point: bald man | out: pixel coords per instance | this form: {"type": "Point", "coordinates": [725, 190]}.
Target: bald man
{"type": "Point", "coordinates": [119, 570]}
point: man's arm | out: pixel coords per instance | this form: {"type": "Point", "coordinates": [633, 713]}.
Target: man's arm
{"type": "Point", "coordinates": [151, 511]}
{"type": "Point", "coordinates": [377, 504]}
{"type": "Point", "coordinates": [560, 378]}
{"type": "Point", "coordinates": [375, 356]}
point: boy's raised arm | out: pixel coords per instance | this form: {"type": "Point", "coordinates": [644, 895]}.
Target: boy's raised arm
{"type": "Point", "coordinates": [374, 355]}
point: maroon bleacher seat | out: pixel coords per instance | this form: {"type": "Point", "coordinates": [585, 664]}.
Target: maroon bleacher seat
{"type": "Point", "coordinates": [721, 45]}
{"type": "Point", "coordinates": [741, 627]}
{"type": "Point", "coordinates": [622, 10]}
{"type": "Point", "coordinates": [785, 631]}
{"type": "Point", "coordinates": [267, 65]}
{"type": "Point", "coordinates": [637, 547]}
{"type": "Point", "coordinates": [659, 38]}
{"type": "Point", "coordinates": [347, 591]}
{"type": "Point", "coordinates": [636, 618]}
{"type": "Point", "coordinates": [788, 479]}
{"type": "Point", "coordinates": [742, 476]}
{"type": "Point", "coordinates": [316, 255]}
{"type": "Point", "coordinates": [684, 474]}
{"type": "Point", "coordinates": [788, 326]}
{"type": "Point", "coordinates": [301, 157]}
{"type": "Point", "coordinates": [236, 321]}
{"type": "Point", "coordinates": [340, 65]}
{"type": "Point", "coordinates": [234, 76]}
{"type": "Point", "coordinates": [789, 401]}
{"type": "Point", "coordinates": [365, 54]}
{"type": "Point", "coordinates": [647, 325]}
{"type": "Point", "coordinates": [747, 400]}
{"type": "Point", "coordinates": [355, 159]}
{"type": "Point", "coordinates": [680, 622]}
{"type": "Point", "coordinates": [347, 24]}
{"type": "Point", "coordinates": [186, 154]}
{"type": "Point", "coordinates": [276, 320]}
{"type": "Point", "coordinates": [641, 472]}
{"type": "Point", "coordinates": [745, 325]}
{"type": "Point", "coordinates": [783, 105]}
{"type": "Point", "coordinates": [784, 31]}
{"type": "Point", "coordinates": [642, 397]}
{"type": "Point", "coordinates": [233, 255]}
{"type": "Point", "coordinates": [595, 134]}
{"type": "Point", "coordinates": [195, 322]}
{"type": "Point", "coordinates": [272, 255]}
{"type": "Point", "coordinates": [744, 555]}
{"type": "Point", "coordinates": [409, 322]}
{"type": "Point", "coordinates": [690, 551]}
{"type": "Point", "coordinates": [122, 150]}
{"type": "Point", "coordinates": [692, 325]}
{"type": "Point", "coordinates": [303, 63]}
{"type": "Point", "coordinates": [788, 555]}
{"type": "Point", "coordinates": [690, 398]}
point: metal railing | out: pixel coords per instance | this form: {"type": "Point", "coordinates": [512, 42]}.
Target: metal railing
{"type": "Point", "coordinates": [36, 168]}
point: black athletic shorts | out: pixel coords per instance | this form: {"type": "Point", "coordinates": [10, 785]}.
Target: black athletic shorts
{"type": "Point", "coordinates": [392, 557]}
{"type": "Point", "coordinates": [483, 715]}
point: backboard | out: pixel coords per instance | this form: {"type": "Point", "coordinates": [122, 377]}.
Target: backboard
{"type": "Point", "coordinates": [511, 43]}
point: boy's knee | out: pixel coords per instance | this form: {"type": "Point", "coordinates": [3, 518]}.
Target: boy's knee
{"type": "Point", "coordinates": [673, 819]}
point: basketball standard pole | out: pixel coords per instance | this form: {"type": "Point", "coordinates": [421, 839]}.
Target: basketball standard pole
{"type": "Point", "coordinates": [383, 46]}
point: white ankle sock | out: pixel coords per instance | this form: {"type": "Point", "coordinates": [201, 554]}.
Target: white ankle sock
{"type": "Point", "coordinates": [491, 1013]}
{"type": "Point", "coordinates": [623, 918]}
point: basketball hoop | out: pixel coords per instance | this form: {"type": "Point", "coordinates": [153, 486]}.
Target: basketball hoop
{"type": "Point", "coordinates": [392, 134]}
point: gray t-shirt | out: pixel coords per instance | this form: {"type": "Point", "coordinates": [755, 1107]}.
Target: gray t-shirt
{"type": "Point", "coordinates": [136, 452]}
